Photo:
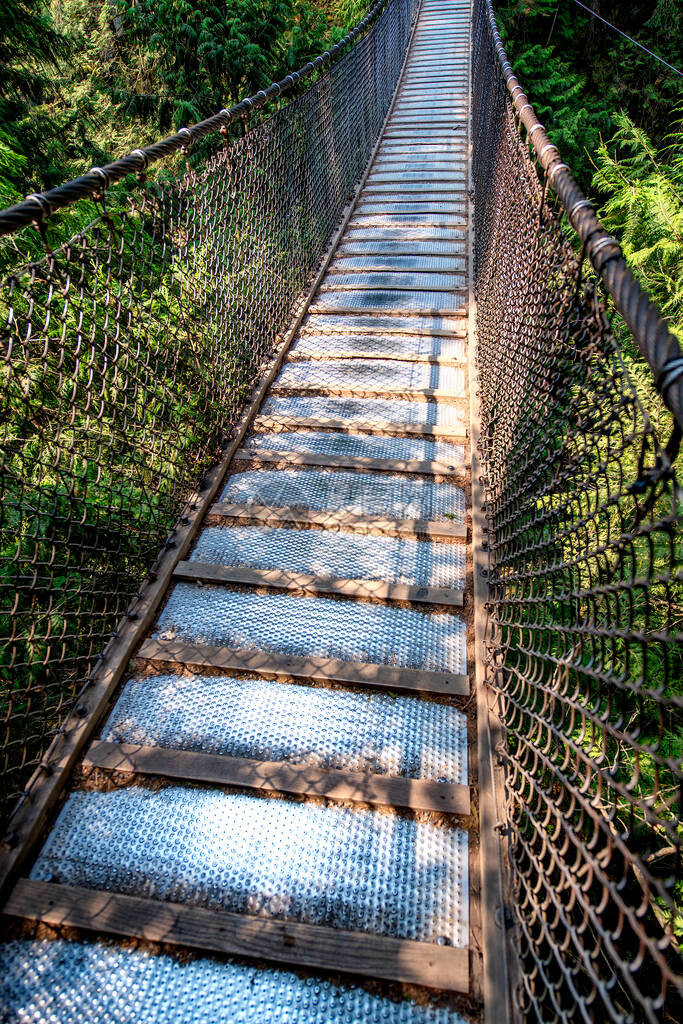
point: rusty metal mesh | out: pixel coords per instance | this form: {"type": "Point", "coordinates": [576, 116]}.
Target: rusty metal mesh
{"type": "Point", "coordinates": [586, 599]}
{"type": "Point", "coordinates": [129, 351]}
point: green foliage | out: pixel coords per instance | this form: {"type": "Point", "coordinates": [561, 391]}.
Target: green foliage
{"type": "Point", "coordinates": [84, 81]}
{"type": "Point", "coordinates": [349, 12]}
{"type": "Point", "coordinates": [573, 119]}
{"type": "Point", "coordinates": [594, 71]}
{"type": "Point", "coordinates": [196, 57]}
{"type": "Point", "coordinates": [643, 190]}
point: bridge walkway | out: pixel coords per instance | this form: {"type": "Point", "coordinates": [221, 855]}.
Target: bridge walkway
{"type": "Point", "coordinates": [287, 776]}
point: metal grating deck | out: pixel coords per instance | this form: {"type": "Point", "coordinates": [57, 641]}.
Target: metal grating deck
{"type": "Point", "coordinates": [365, 410]}
{"type": "Point", "coordinates": [405, 301]}
{"type": "Point", "coordinates": [273, 721]}
{"type": "Point", "coordinates": [314, 626]}
{"type": "Point", "coordinates": [329, 346]}
{"type": "Point", "coordinates": [62, 982]}
{"type": "Point", "coordinates": [359, 870]}
{"type": "Point", "coordinates": [359, 445]}
{"type": "Point", "coordinates": [371, 375]}
{"type": "Point", "coordinates": [338, 555]}
{"type": "Point", "coordinates": [380, 494]}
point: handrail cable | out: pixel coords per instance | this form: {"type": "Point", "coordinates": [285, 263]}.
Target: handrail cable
{"type": "Point", "coordinates": [41, 204]}
{"type": "Point", "coordinates": [656, 342]}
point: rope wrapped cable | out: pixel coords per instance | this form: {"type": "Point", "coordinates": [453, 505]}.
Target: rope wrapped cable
{"type": "Point", "coordinates": [656, 342]}
{"type": "Point", "coordinates": [88, 185]}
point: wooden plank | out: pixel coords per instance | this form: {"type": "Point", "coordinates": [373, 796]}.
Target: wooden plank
{"type": "Point", "coordinates": [350, 462]}
{"type": "Point", "coordinates": [340, 520]}
{"type": "Point", "coordinates": [281, 777]}
{"type": "Point", "coordinates": [374, 956]}
{"type": "Point", "coordinates": [424, 289]}
{"type": "Point", "coordinates": [279, 423]}
{"type": "Point", "coordinates": [380, 677]}
{"type": "Point", "coordinates": [367, 391]}
{"type": "Point", "coordinates": [283, 579]}
{"type": "Point", "coordinates": [447, 313]}
{"type": "Point", "coordinates": [402, 357]}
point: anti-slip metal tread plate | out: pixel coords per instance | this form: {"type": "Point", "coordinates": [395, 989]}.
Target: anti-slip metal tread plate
{"type": "Point", "coordinates": [368, 446]}
{"type": "Point", "coordinates": [59, 982]}
{"type": "Point", "coordinates": [363, 494]}
{"type": "Point", "coordinates": [358, 870]}
{"type": "Point", "coordinates": [406, 124]}
{"type": "Point", "coordinates": [397, 147]}
{"type": "Point", "coordinates": [420, 264]}
{"type": "Point", "coordinates": [391, 185]}
{"type": "Point", "coordinates": [327, 346]}
{"type": "Point", "coordinates": [394, 280]}
{"type": "Point", "coordinates": [433, 265]}
{"type": "Point", "coordinates": [327, 554]}
{"type": "Point", "coordinates": [392, 169]}
{"type": "Point", "coordinates": [447, 115]}
{"type": "Point", "coordinates": [357, 232]}
{"type": "Point", "coordinates": [364, 410]}
{"type": "Point", "coordinates": [414, 191]}
{"type": "Point", "coordinates": [442, 302]}
{"type": "Point", "coordinates": [423, 247]}
{"type": "Point", "coordinates": [432, 325]}
{"type": "Point", "coordinates": [371, 375]}
{"type": "Point", "coordinates": [399, 206]}
{"type": "Point", "coordinates": [306, 725]}
{"type": "Point", "coordinates": [389, 220]}
{"type": "Point", "coordinates": [450, 166]}
{"type": "Point", "coordinates": [279, 623]}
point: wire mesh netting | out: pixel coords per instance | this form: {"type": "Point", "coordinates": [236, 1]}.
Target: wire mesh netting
{"type": "Point", "coordinates": [129, 351]}
{"type": "Point", "coordinates": [584, 620]}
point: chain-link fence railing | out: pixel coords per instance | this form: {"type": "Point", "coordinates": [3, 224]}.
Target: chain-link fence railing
{"type": "Point", "coordinates": [586, 593]}
{"type": "Point", "coordinates": [129, 351]}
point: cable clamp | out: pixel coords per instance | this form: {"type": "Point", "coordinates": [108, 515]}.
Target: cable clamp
{"type": "Point", "coordinates": [601, 244]}
{"type": "Point", "coordinates": [142, 157]}
{"type": "Point", "coordinates": [553, 170]}
{"type": "Point", "coordinates": [185, 133]}
{"type": "Point", "coordinates": [102, 175]}
{"type": "Point", "coordinates": [670, 373]}
{"type": "Point", "coordinates": [581, 204]}
{"type": "Point", "coordinates": [41, 202]}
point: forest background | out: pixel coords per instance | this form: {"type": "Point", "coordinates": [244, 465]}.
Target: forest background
{"type": "Point", "coordinates": [85, 81]}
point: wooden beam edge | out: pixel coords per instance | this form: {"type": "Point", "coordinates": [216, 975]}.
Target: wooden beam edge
{"type": "Point", "coordinates": [369, 392]}
{"type": "Point", "coordinates": [281, 776]}
{"type": "Point", "coordinates": [383, 677]}
{"type": "Point", "coordinates": [376, 355]}
{"type": "Point", "coordinates": [341, 520]}
{"type": "Point", "coordinates": [283, 579]}
{"type": "Point", "coordinates": [364, 426]}
{"type": "Point", "coordinates": [287, 458]}
{"type": "Point", "coordinates": [215, 931]}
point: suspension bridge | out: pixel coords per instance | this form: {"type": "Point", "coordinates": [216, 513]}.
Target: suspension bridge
{"type": "Point", "coordinates": [342, 678]}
